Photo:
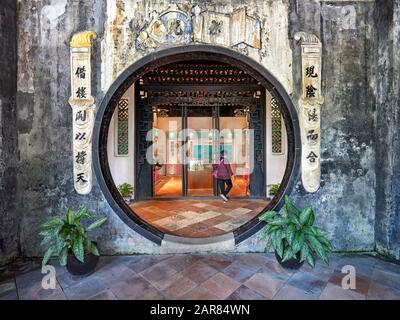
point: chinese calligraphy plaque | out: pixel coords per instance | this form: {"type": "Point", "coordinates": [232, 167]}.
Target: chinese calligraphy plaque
{"type": "Point", "coordinates": [310, 110]}
{"type": "Point", "coordinates": [82, 104]}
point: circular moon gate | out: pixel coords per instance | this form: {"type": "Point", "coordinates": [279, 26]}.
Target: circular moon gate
{"type": "Point", "coordinates": [182, 54]}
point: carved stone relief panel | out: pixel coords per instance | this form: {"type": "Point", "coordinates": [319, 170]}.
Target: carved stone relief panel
{"type": "Point", "coordinates": [169, 26]}
{"type": "Point", "coordinates": [179, 25]}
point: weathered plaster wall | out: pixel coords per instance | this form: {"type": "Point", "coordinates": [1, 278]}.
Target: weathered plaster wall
{"type": "Point", "coordinates": [9, 221]}
{"type": "Point", "coordinates": [345, 204]}
{"type": "Point", "coordinates": [45, 123]}
{"type": "Point", "coordinates": [346, 201]}
{"type": "Point", "coordinates": [387, 129]}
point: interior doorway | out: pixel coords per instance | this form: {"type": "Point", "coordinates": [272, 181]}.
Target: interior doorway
{"type": "Point", "coordinates": [194, 111]}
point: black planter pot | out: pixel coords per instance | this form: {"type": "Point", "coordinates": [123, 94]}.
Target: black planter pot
{"type": "Point", "coordinates": [77, 268]}
{"type": "Point", "coordinates": [293, 263]}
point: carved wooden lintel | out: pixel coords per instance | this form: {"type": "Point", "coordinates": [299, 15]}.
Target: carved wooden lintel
{"type": "Point", "coordinates": [82, 104]}
{"type": "Point", "coordinates": [310, 110]}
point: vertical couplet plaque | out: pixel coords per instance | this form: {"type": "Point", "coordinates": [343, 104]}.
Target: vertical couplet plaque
{"type": "Point", "coordinates": [310, 110]}
{"type": "Point", "coordinates": [82, 104]}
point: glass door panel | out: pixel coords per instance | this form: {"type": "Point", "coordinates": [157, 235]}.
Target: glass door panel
{"type": "Point", "coordinates": [234, 141]}
{"type": "Point", "coordinates": [199, 155]}
{"type": "Point", "coordinates": [167, 170]}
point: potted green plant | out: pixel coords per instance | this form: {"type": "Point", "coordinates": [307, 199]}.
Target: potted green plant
{"type": "Point", "coordinates": [69, 241]}
{"type": "Point", "coordinates": [293, 236]}
{"type": "Point", "coordinates": [126, 191]}
{"type": "Point", "coordinates": [274, 189]}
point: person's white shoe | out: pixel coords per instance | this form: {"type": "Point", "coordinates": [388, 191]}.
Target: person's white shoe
{"type": "Point", "coordinates": [223, 197]}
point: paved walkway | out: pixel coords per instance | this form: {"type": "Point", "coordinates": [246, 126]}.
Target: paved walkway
{"type": "Point", "coordinates": [214, 276]}
{"type": "Point", "coordinates": [198, 218]}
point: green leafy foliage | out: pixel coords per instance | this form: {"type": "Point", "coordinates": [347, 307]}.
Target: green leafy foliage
{"type": "Point", "coordinates": [291, 232]}
{"type": "Point", "coordinates": [69, 236]}
{"type": "Point", "coordinates": [274, 189]}
{"type": "Point", "coordinates": [126, 190]}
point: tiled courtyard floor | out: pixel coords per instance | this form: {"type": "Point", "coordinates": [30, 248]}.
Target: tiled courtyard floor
{"type": "Point", "coordinates": [198, 218]}
{"type": "Point", "coordinates": [214, 276]}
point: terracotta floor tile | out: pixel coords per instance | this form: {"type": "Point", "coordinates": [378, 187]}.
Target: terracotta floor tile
{"type": "Point", "coordinates": [30, 287]}
{"type": "Point", "coordinates": [199, 293]}
{"type": "Point", "coordinates": [307, 281]}
{"type": "Point", "coordinates": [200, 204]}
{"type": "Point", "coordinates": [212, 231]}
{"type": "Point", "coordinates": [199, 227]}
{"type": "Point", "coordinates": [244, 293]}
{"type": "Point", "coordinates": [143, 262]}
{"type": "Point", "coordinates": [334, 292]}
{"type": "Point", "coordinates": [364, 266]}
{"type": "Point", "coordinates": [264, 285]}
{"type": "Point", "coordinates": [253, 260]}
{"type": "Point", "coordinates": [274, 269]}
{"type": "Point", "coordinates": [216, 220]}
{"type": "Point", "coordinates": [387, 278]}
{"type": "Point", "coordinates": [185, 232]}
{"type": "Point", "coordinates": [196, 209]}
{"type": "Point", "coordinates": [217, 261]}
{"type": "Point", "coordinates": [199, 272]}
{"type": "Point", "coordinates": [179, 288]}
{"type": "Point", "coordinates": [239, 271]}
{"type": "Point", "coordinates": [158, 274]}
{"type": "Point", "coordinates": [180, 262]}
{"type": "Point", "coordinates": [379, 292]}
{"type": "Point", "coordinates": [288, 292]}
{"type": "Point", "coordinates": [104, 295]}
{"type": "Point", "coordinates": [133, 289]}
{"type": "Point", "coordinates": [251, 206]}
{"type": "Point", "coordinates": [226, 226]}
{"type": "Point", "coordinates": [362, 283]}
{"type": "Point", "coordinates": [116, 273]}
{"type": "Point", "coordinates": [85, 288]}
{"type": "Point", "coordinates": [221, 285]}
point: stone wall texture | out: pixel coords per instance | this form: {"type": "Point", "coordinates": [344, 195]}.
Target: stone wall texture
{"type": "Point", "coordinates": [9, 220]}
{"type": "Point", "coordinates": [387, 138]}
{"type": "Point", "coordinates": [358, 199]}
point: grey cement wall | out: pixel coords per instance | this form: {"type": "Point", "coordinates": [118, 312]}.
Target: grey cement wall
{"type": "Point", "coordinates": [387, 143]}
{"type": "Point", "coordinates": [9, 221]}
{"type": "Point", "coordinates": [345, 204]}
{"type": "Point", "coordinates": [356, 202]}
{"type": "Point", "coordinates": [45, 123]}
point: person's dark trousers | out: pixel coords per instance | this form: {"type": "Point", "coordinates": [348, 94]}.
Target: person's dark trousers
{"type": "Point", "coordinates": [221, 183]}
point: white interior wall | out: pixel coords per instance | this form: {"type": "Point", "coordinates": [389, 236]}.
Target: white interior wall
{"type": "Point", "coordinates": [122, 167]}
{"type": "Point", "coordinates": [276, 163]}
{"type": "Point", "coordinates": [232, 123]}
{"type": "Point", "coordinates": [166, 124]}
